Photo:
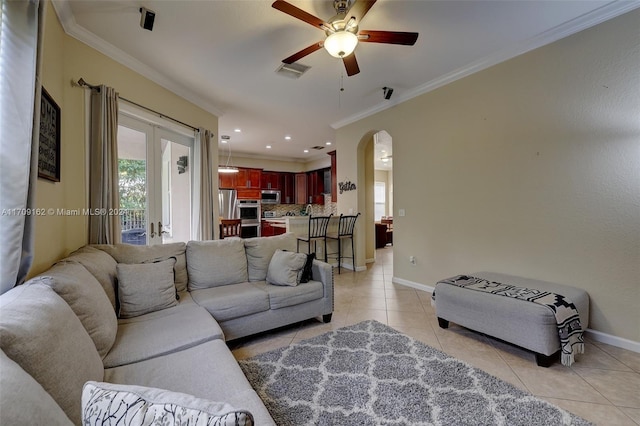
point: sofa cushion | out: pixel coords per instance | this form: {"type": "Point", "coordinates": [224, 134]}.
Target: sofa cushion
{"type": "Point", "coordinates": [283, 296]}
{"type": "Point", "coordinates": [261, 249]}
{"type": "Point", "coordinates": [24, 401]}
{"type": "Point", "coordinates": [145, 288]}
{"type": "Point", "coordinates": [216, 263]}
{"type": "Point", "coordinates": [127, 253]}
{"type": "Point", "coordinates": [233, 301]}
{"type": "Point", "coordinates": [207, 371]}
{"type": "Point", "coordinates": [40, 332]}
{"type": "Point", "coordinates": [286, 267]}
{"type": "Point", "coordinates": [160, 333]}
{"type": "Point", "coordinates": [139, 405]}
{"type": "Point", "coordinates": [84, 294]}
{"type": "Point", "coordinates": [102, 266]}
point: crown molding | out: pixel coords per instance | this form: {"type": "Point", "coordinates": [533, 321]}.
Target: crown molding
{"type": "Point", "coordinates": [595, 17]}
{"type": "Point", "coordinates": [73, 29]}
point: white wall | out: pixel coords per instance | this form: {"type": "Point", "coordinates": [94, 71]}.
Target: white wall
{"type": "Point", "coordinates": [531, 167]}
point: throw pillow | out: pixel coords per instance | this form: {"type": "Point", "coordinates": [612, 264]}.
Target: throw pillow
{"type": "Point", "coordinates": [307, 274]}
{"type": "Point", "coordinates": [285, 268]}
{"type": "Point", "coordinates": [138, 405]}
{"type": "Point", "coordinates": [145, 287]}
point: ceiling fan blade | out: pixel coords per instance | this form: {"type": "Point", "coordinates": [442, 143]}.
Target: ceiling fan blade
{"type": "Point", "coordinates": [351, 64]}
{"type": "Point", "coordinates": [390, 37]}
{"type": "Point", "coordinates": [360, 8]}
{"type": "Point", "coordinates": [296, 12]}
{"type": "Point", "coordinates": [304, 52]}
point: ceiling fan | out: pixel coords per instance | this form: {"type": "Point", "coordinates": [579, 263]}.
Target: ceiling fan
{"type": "Point", "coordinates": [342, 31]}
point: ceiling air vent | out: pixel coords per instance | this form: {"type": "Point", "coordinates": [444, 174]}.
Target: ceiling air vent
{"type": "Point", "coordinates": [292, 70]}
{"type": "Point", "coordinates": [317, 147]}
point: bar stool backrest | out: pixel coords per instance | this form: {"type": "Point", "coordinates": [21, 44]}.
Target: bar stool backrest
{"type": "Point", "coordinates": [318, 226]}
{"type": "Point", "coordinates": [346, 225]}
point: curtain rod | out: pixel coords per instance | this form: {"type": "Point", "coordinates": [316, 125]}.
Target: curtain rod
{"type": "Point", "coordinates": [83, 83]}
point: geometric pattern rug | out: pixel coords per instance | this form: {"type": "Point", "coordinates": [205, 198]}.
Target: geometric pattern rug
{"type": "Point", "coordinates": [371, 374]}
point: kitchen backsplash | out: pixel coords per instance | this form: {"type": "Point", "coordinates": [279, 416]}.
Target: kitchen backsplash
{"type": "Point", "coordinates": [316, 209]}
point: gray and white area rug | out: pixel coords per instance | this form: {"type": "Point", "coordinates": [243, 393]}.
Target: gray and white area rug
{"type": "Point", "coordinates": [371, 374]}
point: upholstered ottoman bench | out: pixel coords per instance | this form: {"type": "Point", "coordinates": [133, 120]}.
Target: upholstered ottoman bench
{"type": "Point", "coordinates": [529, 324]}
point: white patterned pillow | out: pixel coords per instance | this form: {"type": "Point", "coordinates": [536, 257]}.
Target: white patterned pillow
{"type": "Point", "coordinates": [138, 405]}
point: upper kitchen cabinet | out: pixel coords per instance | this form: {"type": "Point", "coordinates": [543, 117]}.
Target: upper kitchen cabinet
{"type": "Point", "coordinates": [249, 178]}
{"type": "Point", "coordinates": [227, 180]}
{"type": "Point", "coordinates": [301, 188]}
{"type": "Point", "coordinates": [271, 180]}
{"type": "Point", "coordinates": [315, 186]}
{"type": "Point", "coordinates": [287, 188]}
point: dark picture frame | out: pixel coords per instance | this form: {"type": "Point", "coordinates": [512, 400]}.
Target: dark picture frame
{"type": "Point", "coordinates": [49, 139]}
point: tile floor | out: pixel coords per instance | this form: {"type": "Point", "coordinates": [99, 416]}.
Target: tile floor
{"type": "Point", "coordinates": [603, 386]}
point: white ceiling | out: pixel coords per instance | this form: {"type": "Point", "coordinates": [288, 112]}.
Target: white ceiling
{"type": "Point", "coordinates": [222, 55]}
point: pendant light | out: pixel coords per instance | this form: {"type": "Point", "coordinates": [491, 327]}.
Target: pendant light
{"type": "Point", "coordinates": [227, 168]}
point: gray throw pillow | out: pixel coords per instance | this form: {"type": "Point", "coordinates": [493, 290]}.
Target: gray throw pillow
{"type": "Point", "coordinates": [285, 268]}
{"type": "Point", "coordinates": [146, 287]}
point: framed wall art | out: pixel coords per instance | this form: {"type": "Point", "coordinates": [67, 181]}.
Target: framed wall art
{"type": "Point", "coordinates": [49, 141]}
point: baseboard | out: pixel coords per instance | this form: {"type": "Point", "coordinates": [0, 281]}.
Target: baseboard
{"type": "Point", "coordinates": [373, 260]}
{"type": "Point", "coordinates": [597, 336]}
{"type": "Point", "coordinates": [418, 286]}
{"type": "Point", "coordinates": [612, 340]}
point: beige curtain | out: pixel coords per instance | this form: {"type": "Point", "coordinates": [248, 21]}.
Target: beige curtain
{"type": "Point", "coordinates": [202, 221]}
{"type": "Point", "coordinates": [104, 200]}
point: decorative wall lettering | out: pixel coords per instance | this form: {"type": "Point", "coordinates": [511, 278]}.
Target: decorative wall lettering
{"type": "Point", "coordinates": [346, 186]}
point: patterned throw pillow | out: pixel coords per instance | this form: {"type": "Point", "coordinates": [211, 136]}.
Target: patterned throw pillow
{"type": "Point", "coordinates": [138, 405]}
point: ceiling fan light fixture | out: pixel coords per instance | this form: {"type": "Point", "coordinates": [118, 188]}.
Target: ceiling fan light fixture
{"type": "Point", "coordinates": [341, 43]}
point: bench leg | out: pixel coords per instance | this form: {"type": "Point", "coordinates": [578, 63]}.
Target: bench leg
{"type": "Point", "coordinates": [326, 318]}
{"type": "Point", "coordinates": [443, 323]}
{"type": "Point", "coordinates": [546, 360]}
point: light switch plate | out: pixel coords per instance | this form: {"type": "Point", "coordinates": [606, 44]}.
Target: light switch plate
{"type": "Point", "coordinates": [401, 212]}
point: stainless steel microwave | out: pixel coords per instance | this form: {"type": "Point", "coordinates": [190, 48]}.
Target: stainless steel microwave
{"type": "Point", "coordinates": [270, 196]}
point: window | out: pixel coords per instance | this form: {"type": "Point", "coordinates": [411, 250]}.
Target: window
{"type": "Point", "coordinates": [380, 200]}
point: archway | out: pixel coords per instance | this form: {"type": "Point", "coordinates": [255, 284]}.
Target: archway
{"type": "Point", "coordinates": [368, 156]}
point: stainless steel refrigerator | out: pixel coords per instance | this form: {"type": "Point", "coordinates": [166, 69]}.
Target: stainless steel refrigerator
{"type": "Point", "coordinates": [227, 201]}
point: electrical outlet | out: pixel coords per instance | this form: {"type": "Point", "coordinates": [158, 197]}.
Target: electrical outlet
{"type": "Point", "coordinates": [412, 260]}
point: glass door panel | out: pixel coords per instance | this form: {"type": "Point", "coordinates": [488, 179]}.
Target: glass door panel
{"type": "Point", "coordinates": [175, 188]}
{"type": "Point", "coordinates": [132, 174]}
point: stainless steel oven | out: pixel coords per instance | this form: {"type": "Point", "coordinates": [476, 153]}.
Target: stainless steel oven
{"type": "Point", "coordinates": [249, 212]}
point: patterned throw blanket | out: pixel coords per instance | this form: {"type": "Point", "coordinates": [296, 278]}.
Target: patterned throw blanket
{"type": "Point", "coordinates": [567, 318]}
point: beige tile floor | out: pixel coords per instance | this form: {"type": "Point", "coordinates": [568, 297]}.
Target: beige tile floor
{"type": "Point", "coordinates": [603, 386]}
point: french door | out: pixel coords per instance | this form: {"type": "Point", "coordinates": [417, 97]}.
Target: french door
{"type": "Point", "coordinates": [155, 183]}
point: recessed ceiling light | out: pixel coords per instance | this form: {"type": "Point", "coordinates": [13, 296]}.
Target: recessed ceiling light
{"type": "Point", "coordinates": [384, 160]}
{"type": "Point", "coordinates": [288, 138]}
{"type": "Point", "coordinates": [268, 146]}
{"type": "Point", "coordinates": [306, 150]}
{"type": "Point", "coordinates": [383, 151]}
{"type": "Point", "coordinates": [223, 141]}
{"type": "Point", "coordinates": [237, 130]}
{"type": "Point", "coordinates": [328, 143]}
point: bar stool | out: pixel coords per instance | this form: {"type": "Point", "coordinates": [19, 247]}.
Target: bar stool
{"type": "Point", "coordinates": [317, 231]}
{"type": "Point", "coordinates": [346, 225]}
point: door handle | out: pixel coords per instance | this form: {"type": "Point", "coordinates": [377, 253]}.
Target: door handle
{"type": "Point", "coordinates": [153, 233]}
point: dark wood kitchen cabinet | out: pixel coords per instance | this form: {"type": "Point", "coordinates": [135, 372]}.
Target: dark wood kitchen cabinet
{"type": "Point", "coordinates": [248, 178]}
{"type": "Point", "coordinates": [334, 177]}
{"type": "Point", "coordinates": [316, 186]}
{"type": "Point", "coordinates": [301, 188]}
{"type": "Point", "coordinates": [287, 188]}
{"type": "Point", "coordinates": [271, 180]}
{"type": "Point", "coordinates": [227, 180]}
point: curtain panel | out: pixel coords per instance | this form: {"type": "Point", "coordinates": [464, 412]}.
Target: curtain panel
{"type": "Point", "coordinates": [104, 197]}
{"type": "Point", "coordinates": [19, 127]}
{"type": "Point", "coordinates": [202, 220]}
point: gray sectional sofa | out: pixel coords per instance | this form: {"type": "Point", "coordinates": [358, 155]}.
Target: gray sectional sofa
{"type": "Point", "coordinates": [177, 303]}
